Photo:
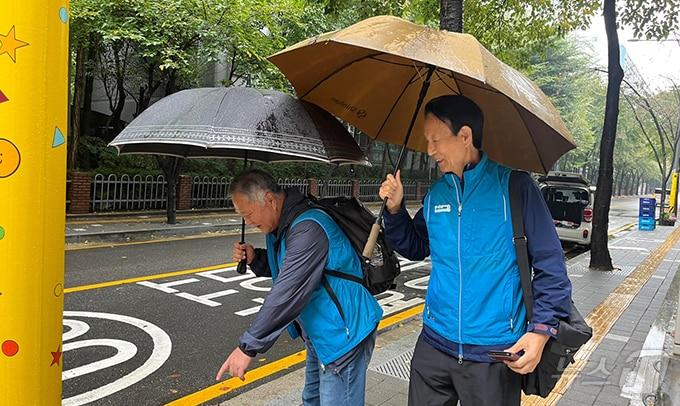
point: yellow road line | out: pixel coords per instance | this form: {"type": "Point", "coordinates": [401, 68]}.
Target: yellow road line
{"type": "Point", "coordinates": [622, 228]}
{"type": "Point", "coordinates": [603, 317]}
{"type": "Point", "coordinates": [264, 371]}
{"type": "Point", "coordinates": [145, 278]}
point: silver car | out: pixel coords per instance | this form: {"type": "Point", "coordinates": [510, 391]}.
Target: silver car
{"type": "Point", "coordinates": [570, 198]}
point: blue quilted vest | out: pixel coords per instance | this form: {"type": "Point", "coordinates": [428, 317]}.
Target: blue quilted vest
{"type": "Point", "coordinates": [334, 329]}
{"type": "Point", "coordinates": [474, 295]}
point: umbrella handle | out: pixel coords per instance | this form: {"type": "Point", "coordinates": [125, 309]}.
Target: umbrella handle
{"type": "Point", "coordinates": [372, 239]}
{"type": "Point", "coordinates": [242, 267]}
{"type": "Point", "coordinates": [242, 264]}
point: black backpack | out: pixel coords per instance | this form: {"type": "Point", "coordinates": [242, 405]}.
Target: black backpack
{"type": "Point", "coordinates": [356, 221]}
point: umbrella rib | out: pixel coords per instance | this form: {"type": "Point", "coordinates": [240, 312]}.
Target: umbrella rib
{"type": "Point", "coordinates": [318, 83]}
{"type": "Point", "coordinates": [540, 158]}
{"type": "Point", "coordinates": [447, 85]}
{"type": "Point", "coordinates": [373, 56]}
{"type": "Point", "coordinates": [387, 117]}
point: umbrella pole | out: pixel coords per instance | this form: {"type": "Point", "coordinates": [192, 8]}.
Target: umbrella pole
{"type": "Point", "coordinates": [243, 264]}
{"type": "Point", "coordinates": [375, 229]}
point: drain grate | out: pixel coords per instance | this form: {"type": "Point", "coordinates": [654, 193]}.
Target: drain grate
{"type": "Point", "coordinates": [397, 367]}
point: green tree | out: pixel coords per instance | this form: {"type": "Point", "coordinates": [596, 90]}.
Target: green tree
{"type": "Point", "coordinates": [564, 71]}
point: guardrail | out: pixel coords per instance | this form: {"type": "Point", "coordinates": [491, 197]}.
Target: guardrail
{"type": "Point", "coordinates": [124, 193]}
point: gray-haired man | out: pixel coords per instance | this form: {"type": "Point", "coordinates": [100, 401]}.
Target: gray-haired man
{"type": "Point", "coordinates": [336, 317]}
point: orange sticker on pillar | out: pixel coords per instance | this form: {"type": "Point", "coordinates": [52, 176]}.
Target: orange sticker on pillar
{"type": "Point", "coordinates": [33, 118]}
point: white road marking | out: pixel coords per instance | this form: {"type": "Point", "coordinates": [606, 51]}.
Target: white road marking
{"type": "Point", "coordinates": [394, 302]}
{"type": "Point", "coordinates": [252, 310]}
{"type": "Point", "coordinates": [162, 347]}
{"type": "Point", "coordinates": [77, 328]}
{"type": "Point", "coordinates": [125, 350]}
{"type": "Point", "coordinates": [205, 299]}
{"type": "Point", "coordinates": [419, 283]}
{"type": "Point", "coordinates": [166, 286]}
{"type": "Point", "coordinates": [250, 284]}
{"type": "Point", "coordinates": [413, 266]}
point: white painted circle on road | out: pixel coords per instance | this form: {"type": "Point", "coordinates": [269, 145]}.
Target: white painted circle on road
{"type": "Point", "coordinates": [162, 347]}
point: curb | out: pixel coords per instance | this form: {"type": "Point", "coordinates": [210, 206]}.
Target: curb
{"type": "Point", "coordinates": [148, 234]}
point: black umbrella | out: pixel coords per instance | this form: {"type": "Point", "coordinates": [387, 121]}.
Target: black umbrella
{"type": "Point", "coordinates": [238, 122]}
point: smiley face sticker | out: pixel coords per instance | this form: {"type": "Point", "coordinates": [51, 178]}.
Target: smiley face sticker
{"type": "Point", "coordinates": [9, 158]}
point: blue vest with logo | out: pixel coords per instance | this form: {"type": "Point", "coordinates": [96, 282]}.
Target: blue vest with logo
{"type": "Point", "coordinates": [474, 294]}
{"type": "Point", "coordinates": [332, 332]}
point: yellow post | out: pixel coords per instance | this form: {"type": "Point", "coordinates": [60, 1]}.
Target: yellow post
{"type": "Point", "coordinates": [33, 117]}
{"type": "Point", "coordinates": [674, 188]}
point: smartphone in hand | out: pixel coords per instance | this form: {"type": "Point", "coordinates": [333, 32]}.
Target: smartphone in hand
{"type": "Point", "coordinates": [503, 356]}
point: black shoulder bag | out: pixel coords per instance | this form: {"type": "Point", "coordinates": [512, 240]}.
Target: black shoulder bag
{"type": "Point", "coordinates": [573, 332]}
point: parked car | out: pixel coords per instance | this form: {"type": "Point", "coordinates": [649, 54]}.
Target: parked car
{"type": "Point", "coordinates": [570, 199]}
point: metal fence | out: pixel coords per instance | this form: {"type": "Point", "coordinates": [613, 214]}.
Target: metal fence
{"type": "Point", "coordinates": [120, 193]}
{"type": "Point", "coordinates": [301, 184]}
{"type": "Point", "coordinates": [368, 190]}
{"type": "Point", "coordinates": [334, 188]}
{"type": "Point", "coordinates": [410, 190]}
{"type": "Point", "coordinates": [209, 192]}
{"type": "Point", "coordinates": [110, 193]}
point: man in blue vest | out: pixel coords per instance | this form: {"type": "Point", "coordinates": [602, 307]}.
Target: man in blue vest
{"type": "Point", "coordinates": [474, 300]}
{"type": "Point", "coordinates": [336, 317]}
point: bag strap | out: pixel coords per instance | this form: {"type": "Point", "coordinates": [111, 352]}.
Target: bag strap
{"type": "Point", "coordinates": [519, 240]}
{"type": "Point", "coordinates": [343, 275]}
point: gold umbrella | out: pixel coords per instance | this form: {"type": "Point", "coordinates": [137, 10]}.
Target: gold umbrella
{"type": "Point", "coordinates": [378, 73]}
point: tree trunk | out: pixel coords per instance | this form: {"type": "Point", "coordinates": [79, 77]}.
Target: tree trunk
{"type": "Point", "coordinates": [451, 15]}
{"type": "Point", "coordinates": [170, 167]}
{"type": "Point", "coordinates": [622, 182]}
{"type": "Point", "coordinates": [600, 259]}
{"type": "Point", "coordinates": [171, 85]}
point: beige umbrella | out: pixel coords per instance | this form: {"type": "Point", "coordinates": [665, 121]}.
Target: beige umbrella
{"type": "Point", "coordinates": [374, 75]}
{"type": "Point", "coordinates": [378, 73]}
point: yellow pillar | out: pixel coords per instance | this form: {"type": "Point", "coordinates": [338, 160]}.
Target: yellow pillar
{"type": "Point", "coordinates": [33, 117]}
{"type": "Point", "coordinates": [674, 189]}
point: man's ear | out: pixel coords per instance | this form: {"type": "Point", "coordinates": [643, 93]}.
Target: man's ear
{"type": "Point", "coordinates": [269, 198]}
{"type": "Point", "coordinates": [466, 133]}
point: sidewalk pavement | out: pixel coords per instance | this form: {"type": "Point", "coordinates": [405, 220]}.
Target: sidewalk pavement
{"type": "Point", "coordinates": [630, 309]}
{"type": "Point", "coordinates": [143, 226]}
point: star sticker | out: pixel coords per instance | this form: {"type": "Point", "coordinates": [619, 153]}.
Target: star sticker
{"type": "Point", "coordinates": [56, 356]}
{"type": "Point", "coordinates": [9, 44]}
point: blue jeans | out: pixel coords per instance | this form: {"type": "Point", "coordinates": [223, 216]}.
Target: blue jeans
{"type": "Point", "coordinates": [329, 386]}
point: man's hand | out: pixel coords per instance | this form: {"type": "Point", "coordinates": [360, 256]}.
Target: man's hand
{"type": "Point", "coordinates": [237, 364]}
{"type": "Point", "coordinates": [532, 344]}
{"type": "Point", "coordinates": [393, 190]}
{"type": "Point", "coordinates": [243, 251]}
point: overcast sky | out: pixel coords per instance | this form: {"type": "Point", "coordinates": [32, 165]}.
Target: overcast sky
{"type": "Point", "coordinates": [654, 60]}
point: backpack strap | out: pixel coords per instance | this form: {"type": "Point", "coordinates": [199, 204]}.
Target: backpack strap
{"type": "Point", "coordinates": [519, 240]}
{"type": "Point", "coordinates": [343, 275]}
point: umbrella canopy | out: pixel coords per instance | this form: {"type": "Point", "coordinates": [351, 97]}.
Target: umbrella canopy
{"type": "Point", "coordinates": [371, 75]}
{"type": "Point", "coordinates": [227, 122]}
